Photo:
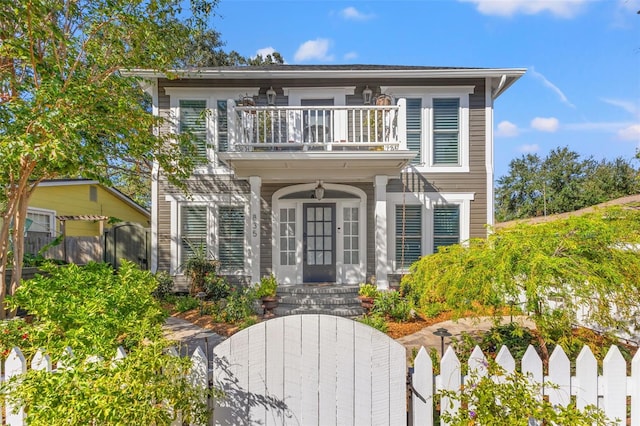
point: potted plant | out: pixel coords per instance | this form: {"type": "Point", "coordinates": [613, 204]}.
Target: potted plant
{"type": "Point", "coordinates": [266, 292]}
{"type": "Point", "coordinates": [197, 267]}
{"type": "Point", "coordinates": [367, 294]}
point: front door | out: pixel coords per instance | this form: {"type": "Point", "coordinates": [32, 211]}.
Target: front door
{"type": "Point", "coordinates": [319, 243]}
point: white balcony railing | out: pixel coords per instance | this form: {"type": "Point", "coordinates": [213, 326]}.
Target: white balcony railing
{"type": "Point", "coordinates": [321, 128]}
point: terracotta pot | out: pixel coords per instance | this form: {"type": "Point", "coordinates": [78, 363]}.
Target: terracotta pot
{"type": "Point", "coordinates": [268, 305]}
{"type": "Point", "coordinates": [366, 302]}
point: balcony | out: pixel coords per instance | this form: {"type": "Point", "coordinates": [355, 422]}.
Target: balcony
{"type": "Point", "coordinates": [296, 142]}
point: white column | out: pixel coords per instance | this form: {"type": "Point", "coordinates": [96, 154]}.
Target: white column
{"type": "Point", "coordinates": [254, 237]}
{"type": "Point", "coordinates": [380, 197]}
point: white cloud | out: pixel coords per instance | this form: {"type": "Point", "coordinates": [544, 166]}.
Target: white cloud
{"type": "Point", "coordinates": [507, 129]}
{"type": "Point", "coordinates": [350, 56]}
{"type": "Point", "coordinates": [528, 148]}
{"type": "Point", "coordinates": [265, 51]}
{"type": "Point", "coordinates": [542, 124]}
{"type": "Point", "coordinates": [628, 106]}
{"type": "Point", "coordinates": [559, 8]}
{"type": "Point", "coordinates": [552, 86]}
{"type": "Point", "coordinates": [353, 14]}
{"type": "Point", "coordinates": [313, 50]}
{"type": "Point", "coordinates": [631, 133]}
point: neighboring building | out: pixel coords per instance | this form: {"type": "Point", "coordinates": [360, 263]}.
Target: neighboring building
{"type": "Point", "coordinates": [308, 174]}
{"type": "Point", "coordinates": [98, 223]}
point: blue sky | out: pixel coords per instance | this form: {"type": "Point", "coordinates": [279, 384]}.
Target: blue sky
{"type": "Point", "coordinates": [581, 90]}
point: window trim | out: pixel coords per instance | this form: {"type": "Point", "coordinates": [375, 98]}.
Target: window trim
{"type": "Point", "coordinates": [428, 200]}
{"type": "Point", "coordinates": [212, 202]}
{"type": "Point", "coordinates": [47, 212]}
{"type": "Point", "coordinates": [428, 94]}
{"type": "Point", "coordinates": [211, 96]}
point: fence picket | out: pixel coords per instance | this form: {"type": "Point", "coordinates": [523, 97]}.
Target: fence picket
{"type": "Point", "coordinates": [586, 386]}
{"type": "Point", "coordinates": [560, 376]}
{"type": "Point", "coordinates": [477, 362]}
{"type": "Point", "coordinates": [614, 372]}
{"type": "Point", "coordinates": [450, 379]}
{"type": "Point", "coordinates": [41, 361]}
{"type": "Point", "coordinates": [14, 366]}
{"type": "Point", "coordinates": [531, 365]}
{"type": "Point", "coordinates": [422, 383]}
{"type": "Point", "coordinates": [635, 390]}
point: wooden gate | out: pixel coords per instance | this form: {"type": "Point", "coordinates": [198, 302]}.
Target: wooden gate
{"type": "Point", "coordinates": [310, 370]}
{"type": "Point", "coordinates": [127, 240]}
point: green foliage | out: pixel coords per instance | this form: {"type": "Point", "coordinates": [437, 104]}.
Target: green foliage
{"type": "Point", "coordinates": [556, 267]}
{"type": "Point", "coordinates": [561, 182]}
{"type": "Point", "coordinates": [198, 266]}
{"type": "Point", "coordinates": [267, 287]}
{"type": "Point", "coordinates": [376, 321]}
{"type": "Point", "coordinates": [216, 287]}
{"type": "Point", "coordinates": [511, 401]}
{"type": "Point", "coordinates": [110, 393]}
{"type": "Point", "coordinates": [368, 290]}
{"type": "Point", "coordinates": [391, 304]}
{"type": "Point", "coordinates": [92, 309]}
{"type": "Point", "coordinates": [186, 303]}
{"type": "Point", "coordinates": [239, 305]}
{"type": "Point", "coordinates": [165, 285]}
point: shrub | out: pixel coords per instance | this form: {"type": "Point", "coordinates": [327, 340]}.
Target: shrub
{"type": "Point", "coordinates": [391, 304]}
{"type": "Point", "coordinates": [216, 287]}
{"type": "Point", "coordinates": [165, 285]}
{"type": "Point", "coordinates": [368, 290]}
{"type": "Point", "coordinates": [93, 308]}
{"type": "Point", "coordinates": [239, 305]}
{"type": "Point", "coordinates": [376, 321]}
{"type": "Point", "coordinates": [186, 303]}
{"type": "Point", "coordinates": [197, 267]}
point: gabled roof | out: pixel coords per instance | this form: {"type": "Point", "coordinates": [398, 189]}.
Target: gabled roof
{"type": "Point", "coordinates": [507, 76]}
{"type": "Point", "coordinates": [68, 182]}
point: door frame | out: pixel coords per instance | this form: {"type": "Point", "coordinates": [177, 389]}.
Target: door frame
{"type": "Point", "coordinates": [317, 273]}
{"type": "Point", "coordinates": [293, 274]}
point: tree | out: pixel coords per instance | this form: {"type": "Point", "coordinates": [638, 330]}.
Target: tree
{"type": "Point", "coordinates": [65, 109]}
{"type": "Point", "coordinates": [561, 182]}
{"type": "Point", "coordinates": [587, 265]}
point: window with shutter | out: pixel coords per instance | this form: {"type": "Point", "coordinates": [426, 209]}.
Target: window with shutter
{"type": "Point", "coordinates": [192, 120]}
{"type": "Point", "coordinates": [446, 130]}
{"type": "Point", "coordinates": [193, 231]}
{"type": "Point", "coordinates": [231, 238]}
{"type": "Point", "coordinates": [408, 234]}
{"type": "Point", "coordinates": [414, 128]}
{"type": "Point", "coordinates": [446, 226]}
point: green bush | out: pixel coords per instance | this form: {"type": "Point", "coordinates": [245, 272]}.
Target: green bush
{"type": "Point", "coordinates": [165, 285]}
{"type": "Point", "coordinates": [376, 321]}
{"type": "Point", "coordinates": [267, 287]}
{"type": "Point", "coordinates": [239, 305]}
{"type": "Point", "coordinates": [216, 287]}
{"type": "Point", "coordinates": [391, 304]}
{"type": "Point", "coordinates": [186, 303]}
{"type": "Point", "coordinates": [368, 290]}
{"type": "Point", "coordinates": [92, 309]}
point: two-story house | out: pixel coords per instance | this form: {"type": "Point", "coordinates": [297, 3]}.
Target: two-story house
{"type": "Point", "coordinates": [332, 174]}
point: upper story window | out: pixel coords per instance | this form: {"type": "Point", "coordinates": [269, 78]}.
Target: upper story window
{"type": "Point", "coordinates": [437, 126]}
{"type": "Point", "coordinates": [193, 120]}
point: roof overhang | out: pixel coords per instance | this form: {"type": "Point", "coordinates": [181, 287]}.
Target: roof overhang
{"type": "Point", "coordinates": [330, 166]}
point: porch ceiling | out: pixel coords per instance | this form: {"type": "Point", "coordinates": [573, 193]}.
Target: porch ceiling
{"type": "Point", "coordinates": [327, 165]}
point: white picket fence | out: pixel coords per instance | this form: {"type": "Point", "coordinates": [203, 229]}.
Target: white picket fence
{"type": "Point", "coordinates": [318, 369]}
{"type": "Point", "coordinates": [608, 391]}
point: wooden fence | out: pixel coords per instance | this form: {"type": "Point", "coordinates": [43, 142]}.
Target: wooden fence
{"type": "Point", "coordinates": [318, 369]}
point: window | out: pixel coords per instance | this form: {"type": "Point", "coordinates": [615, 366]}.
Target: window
{"type": "Point", "coordinates": [192, 120]}
{"type": "Point", "coordinates": [288, 236]}
{"type": "Point", "coordinates": [193, 231]}
{"type": "Point", "coordinates": [351, 236]}
{"type": "Point", "coordinates": [41, 221]}
{"type": "Point", "coordinates": [446, 130]}
{"type": "Point", "coordinates": [408, 234]}
{"type": "Point", "coordinates": [231, 238]}
{"type": "Point", "coordinates": [446, 226]}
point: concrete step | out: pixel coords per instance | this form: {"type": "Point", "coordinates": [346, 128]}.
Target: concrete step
{"type": "Point", "coordinates": [339, 300]}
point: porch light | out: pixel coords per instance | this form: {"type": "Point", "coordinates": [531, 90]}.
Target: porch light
{"type": "Point", "coordinates": [366, 95]}
{"type": "Point", "coordinates": [319, 191]}
{"type": "Point", "coordinates": [271, 96]}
